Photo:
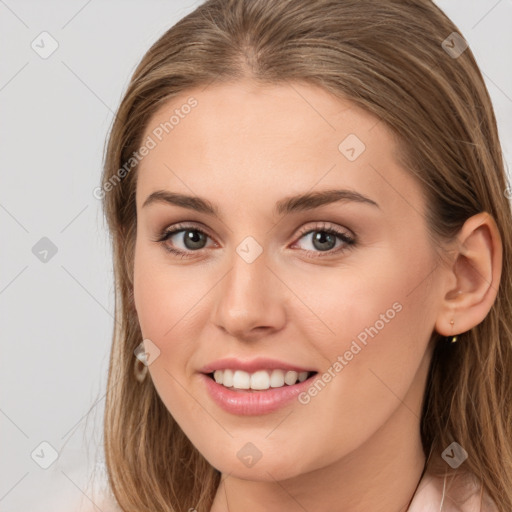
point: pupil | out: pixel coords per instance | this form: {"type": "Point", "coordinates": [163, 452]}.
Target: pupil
{"type": "Point", "coordinates": [193, 237]}
{"type": "Point", "coordinates": [321, 237]}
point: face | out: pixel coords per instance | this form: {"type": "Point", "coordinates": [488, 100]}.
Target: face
{"type": "Point", "coordinates": [339, 284]}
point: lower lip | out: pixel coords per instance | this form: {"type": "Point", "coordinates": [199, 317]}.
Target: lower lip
{"type": "Point", "coordinates": [252, 403]}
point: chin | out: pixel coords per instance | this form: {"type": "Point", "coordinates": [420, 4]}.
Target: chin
{"type": "Point", "coordinates": [267, 469]}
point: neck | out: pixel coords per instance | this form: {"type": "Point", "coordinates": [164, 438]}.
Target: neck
{"type": "Point", "coordinates": [380, 475]}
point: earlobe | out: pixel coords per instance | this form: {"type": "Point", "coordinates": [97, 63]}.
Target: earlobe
{"type": "Point", "coordinates": [477, 271]}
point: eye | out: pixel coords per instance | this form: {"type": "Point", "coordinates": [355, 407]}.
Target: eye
{"type": "Point", "coordinates": [324, 240]}
{"type": "Point", "coordinates": [194, 239]}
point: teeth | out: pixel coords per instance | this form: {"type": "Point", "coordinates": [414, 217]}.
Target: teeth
{"type": "Point", "coordinates": [277, 379]}
{"type": "Point", "coordinates": [259, 380]}
{"type": "Point", "coordinates": [291, 378]}
{"type": "Point", "coordinates": [241, 380]}
{"type": "Point", "coordinates": [227, 378]}
{"type": "Point", "coordinates": [303, 376]}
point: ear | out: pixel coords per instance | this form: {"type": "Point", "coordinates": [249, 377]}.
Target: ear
{"type": "Point", "coordinates": [472, 282]}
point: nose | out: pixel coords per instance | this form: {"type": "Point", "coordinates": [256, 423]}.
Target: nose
{"type": "Point", "coordinates": [251, 300]}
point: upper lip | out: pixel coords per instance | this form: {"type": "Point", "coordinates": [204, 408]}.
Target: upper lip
{"type": "Point", "coordinates": [251, 365]}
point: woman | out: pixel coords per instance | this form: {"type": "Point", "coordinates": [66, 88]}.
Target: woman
{"type": "Point", "coordinates": [311, 242]}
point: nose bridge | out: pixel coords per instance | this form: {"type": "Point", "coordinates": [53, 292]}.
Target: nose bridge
{"type": "Point", "coordinates": [249, 296]}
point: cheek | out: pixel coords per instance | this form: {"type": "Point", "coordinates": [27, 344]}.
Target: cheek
{"type": "Point", "coordinates": [380, 317]}
{"type": "Point", "coordinates": [168, 300]}
{"type": "Point", "coordinates": [163, 300]}
{"type": "Point", "coordinates": [375, 332]}
{"type": "Point", "coordinates": [379, 298]}
{"type": "Point", "coordinates": [164, 294]}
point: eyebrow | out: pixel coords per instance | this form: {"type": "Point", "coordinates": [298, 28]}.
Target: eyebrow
{"type": "Point", "coordinates": [296, 203]}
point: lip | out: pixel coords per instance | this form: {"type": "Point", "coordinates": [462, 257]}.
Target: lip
{"type": "Point", "coordinates": [254, 403]}
{"type": "Point", "coordinates": [250, 366]}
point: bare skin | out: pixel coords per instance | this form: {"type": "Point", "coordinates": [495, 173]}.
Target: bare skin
{"type": "Point", "coordinates": [355, 446]}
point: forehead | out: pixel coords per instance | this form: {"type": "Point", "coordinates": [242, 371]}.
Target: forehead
{"type": "Point", "coordinates": [242, 143]}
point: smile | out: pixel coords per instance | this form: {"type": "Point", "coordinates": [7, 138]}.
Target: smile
{"type": "Point", "coordinates": [264, 398]}
{"type": "Point", "coordinates": [259, 380]}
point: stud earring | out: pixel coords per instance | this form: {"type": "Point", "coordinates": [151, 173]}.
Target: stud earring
{"type": "Point", "coordinates": [454, 338]}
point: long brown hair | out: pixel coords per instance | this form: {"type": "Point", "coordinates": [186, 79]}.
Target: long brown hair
{"type": "Point", "coordinates": [391, 58]}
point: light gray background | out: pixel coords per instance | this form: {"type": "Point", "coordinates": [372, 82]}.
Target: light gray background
{"type": "Point", "coordinates": [57, 321]}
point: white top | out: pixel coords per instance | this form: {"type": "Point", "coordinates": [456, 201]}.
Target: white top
{"type": "Point", "coordinates": [462, 494]}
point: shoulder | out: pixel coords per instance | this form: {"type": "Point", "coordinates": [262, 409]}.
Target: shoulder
{"type": "Point", "coordinates": [462, 492]}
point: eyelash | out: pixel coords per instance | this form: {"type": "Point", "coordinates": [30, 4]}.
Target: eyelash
{"type": "Point", "coordinates": [349, 241]}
